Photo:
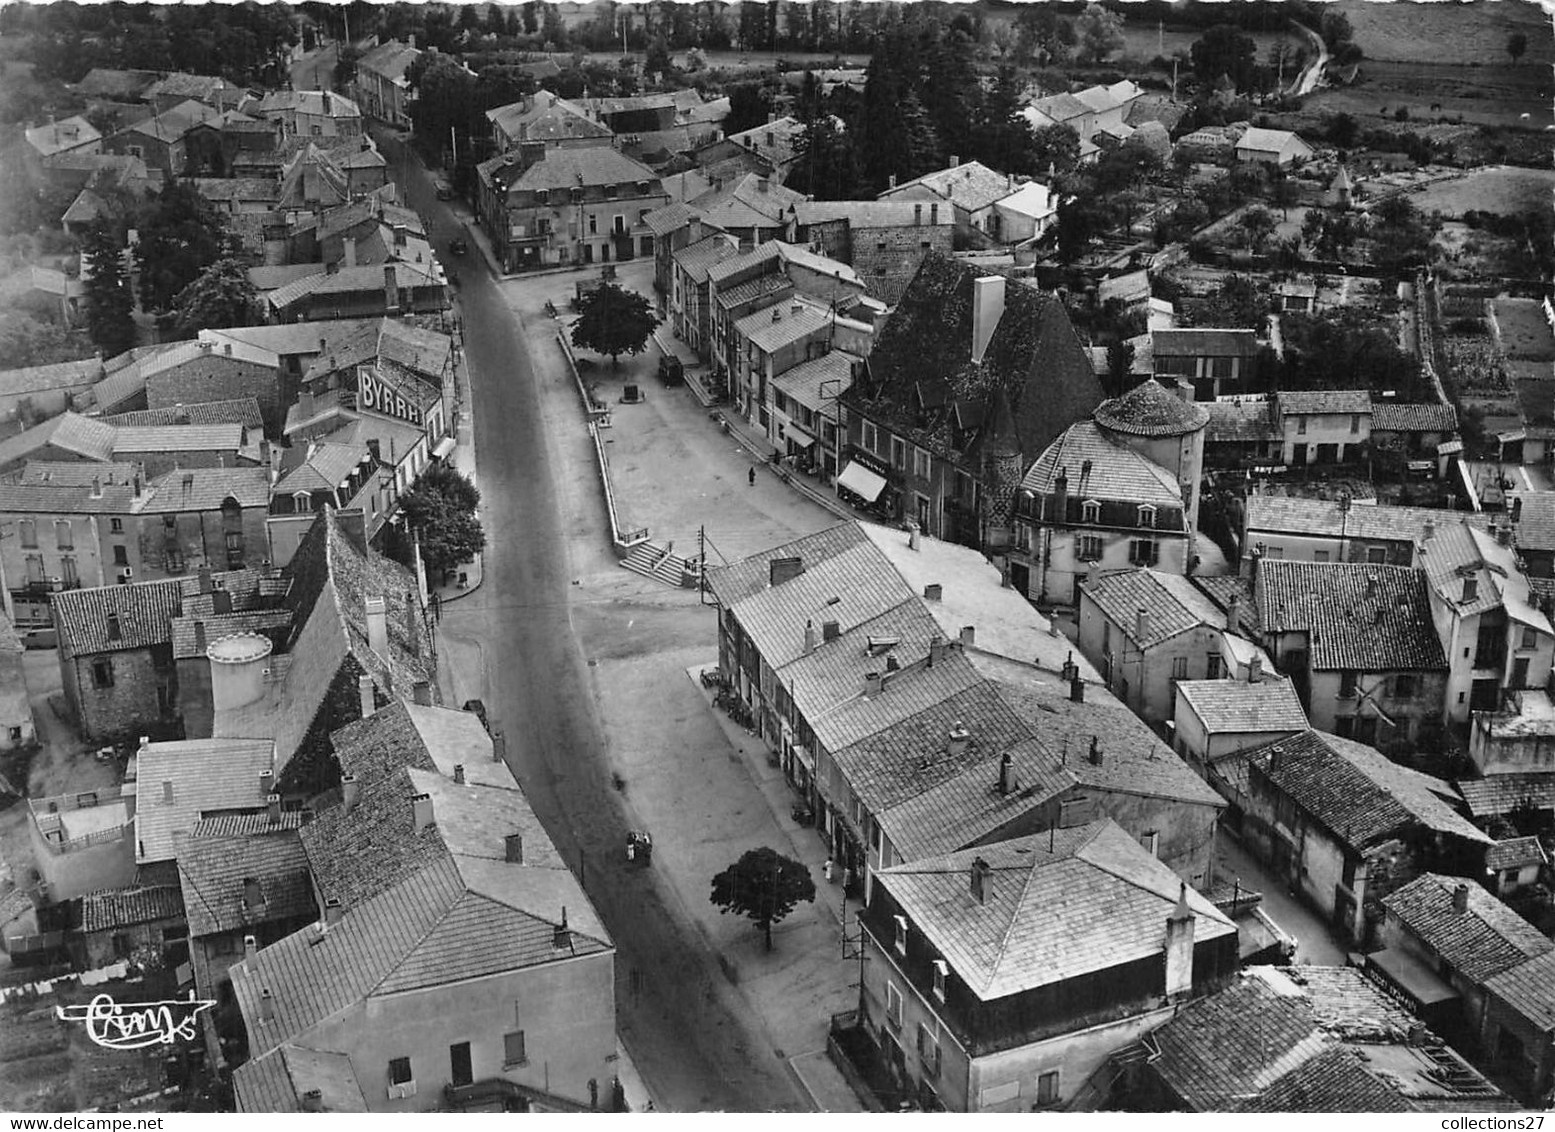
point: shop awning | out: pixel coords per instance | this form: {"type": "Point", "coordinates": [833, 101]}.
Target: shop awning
{"type": "Point", "coordinates": [1417, 982]}
{"type": "Point", "coordinates": [861, 482]}
{"type": "Point", "coordinates": [806, 760]}
{"type": "Point", "coordinates": [798, 436]}
{"type": "Point", "coordinates": [444, 447]}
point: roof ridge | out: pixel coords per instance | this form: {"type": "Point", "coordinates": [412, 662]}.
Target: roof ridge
{"type": "Point", "coordinates": [1009, 928]}
{"type": "Point", "coordinates": [437, 921]}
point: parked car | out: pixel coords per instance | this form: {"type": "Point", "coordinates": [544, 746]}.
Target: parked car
{"type": "Point", "coordinates": [445, 191]}
{"type": "Point", "coordinates": [459, 246]}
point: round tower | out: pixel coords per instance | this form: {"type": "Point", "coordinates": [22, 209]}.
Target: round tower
{"type": "Point", "coordinates": [238, 667]}
{"type": "Point", "coordinates": [1165, 429]}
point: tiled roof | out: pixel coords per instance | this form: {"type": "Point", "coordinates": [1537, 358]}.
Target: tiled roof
{"type": "Point", "coordinates": [278, 1080]}
{"type": "Point", "coordinates": [349, 280]}
{"type": "Point", "coordinates": [1234, 422]}
{"type": "Point", "coordinates": [67, 499]}
{"type": "Point", "coordinates": [422, 908]}
{"type": "Point", "coordinates": [215, 873]}
{"type": "Point", "coordinates": [60, 375]}
{"type": "Point", "coordinates": [126, 907]}
{"type": "Point", "coordinates": [570, 167]}
{"type": "Point", "coordinates": [1514, 853]}
{"type": "Point", "coordinates": [209, 777]}
{"type": "Point", "coordinates": [1481, 942]}
{"type": "Point", "coordinates": [1239, 706]}
{"type": "Point", "coordinates": [185, 640]}
{"type": "Point", "coordinates": [1379, 521]}
{"type": "Point", "coordinates": [322, 467]}
{"type": "Point", "coordinates": [741, 202]}
{"type": "Point", "coordinates": [865, 214]}
{"type": "Point", "coordinates": [1336, 1079]}
{"type": "Point", "coordinates": [1529, 988]}
{"type": "Point", "coordinates": [970, 185]}
{"type": "Point", "coordinates": [671, 218]}
{"type": "Point", "coordinates": [1172, 604]}
{"type": "Point", "coordinates": [105, 82]}
{"type": "Point", "coordinates": [1319, 401]}
{"type": "Point", "coordinates": [1463, 550]}
{"type": "Point", "coordinates": [1391, 416]}
{"type": "Point", "coordinates": [819, 382]}
{"type": "Point", "coordinates": [1265, 140]}
{"type": "Point", "coordinates": [143, 610]}
{"type": "Point", "coordinates": [208, 489]}
{"type": "Point", "coordinates": [67, 133]}
{"type": "Point", "coordinates": [695, 259]}
{"type": "Point", "coordinates": [1536, 519]}
{"type": "Point", "coordinates": [1117, 472]}
{"type": "Point", "coordinates": [734, 583]}
{"type": "Point", "coordinates": [321, 103]}
{"type": "Point", "coordinates": [1362, 617]}
{"type": "Point", "coordinates": [1355, 792]}
{"type": "Point", "coordinates": [1204, 342]}
{"type": "Point", "coordinates": [1149, 410]}
{"type": "Point", "coordinates": [70, 431]}
{"type": "Point", "coordinates": [243, 410]}
{"type": "Point", "coordinates": [179, 438]}
{"type": "Point", "coordinates": [1503, 793]}
{"type": "Point", "coordinates": [1059, 905]}
{"type": "Point", "coordinates": [242, 825]}
{"type": "Point", "coordinates": [772, 329]}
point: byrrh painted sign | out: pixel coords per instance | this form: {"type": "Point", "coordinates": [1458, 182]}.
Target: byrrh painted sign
{"type": "Point", "coordinates": [374, 395]}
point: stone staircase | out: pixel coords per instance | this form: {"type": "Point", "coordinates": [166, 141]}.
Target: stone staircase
{"type": "Point", "coordinates": [652, 561]}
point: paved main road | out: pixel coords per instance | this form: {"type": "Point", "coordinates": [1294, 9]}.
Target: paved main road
{"type": "Point", "coordinates": [687, 1030]}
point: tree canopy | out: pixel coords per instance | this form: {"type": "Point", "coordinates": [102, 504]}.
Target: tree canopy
{"type": "Point", "coordinates": [1100, 33]}
{"type": "Point", "coordinates": [109, 302]}
{"type": "Point", "coordinates": [1225, 50]}
{"type": "Point", "coordinates": [614, 321]}
{"type": "Point", "coordinates": [180, 235]}
{"type": "Point", "coordinates": [764, 886]}
{"type": "Point", "coordinates": [441, 510]}
{"type": "Point", "coordinates": [222, 295]}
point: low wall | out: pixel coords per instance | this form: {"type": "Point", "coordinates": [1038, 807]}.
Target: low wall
{"type": "Point", "coordinates": [599, 417]}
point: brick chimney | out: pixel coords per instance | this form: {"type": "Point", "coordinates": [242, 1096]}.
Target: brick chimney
{"type": "Point", "coordinates": [350, 791]}
{"type": "Point", "coordinates": [1142, 624]}
{"type": "Point", "coordinates": [934, 591]}
{"type": "Point", "coordinates": [1460, 898]}
{"type": "Point", "coordinates": [1077, 690]}
{"type": "Point", "coordinates": [1179, 947]}
{"type": "Point", "coordinates": [957, 740]}
{"type": "Point", "coordinates": [332, 910]}
{"type": "Point", "coordinates": [781, 570]}
{"type": "Point", "coordinates": [499, 746]}
{"type": "Point", "coordinates": [1007, 782]}
{"type": "Point", "coordinates": [809, 637]}
{"type": "Point", "coordinates": [273, 808]}
{"type": "Point", "coordinates": [207, 583]}
{"type": "Point", "coordinates": [1234, 614]}
{"type": "Point", "coordinates": [968, 636]}
{"type": "Point", "coordinates": [266, 1005]}
{"type": "Point", "coordinates": [1255, 670]}
{"type": "Point", "coordinates": [250, 947]}
{"type": "Point", "coordinates": [874, 683]}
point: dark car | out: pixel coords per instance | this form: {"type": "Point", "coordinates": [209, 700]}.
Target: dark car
{"type": "Point", "coordinates": [459, 245]}
{"type": "Point", "coordinates": [480, 712]}
{"type": "Point", "coordinates": [445, 191]}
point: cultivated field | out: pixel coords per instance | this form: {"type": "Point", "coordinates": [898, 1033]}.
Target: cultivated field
{"type": "Point", "coordinates": [1502, 188]}
{"type": "Point", "coordinates": [1490, 95]}
{"type": "Point", "coordinates": [1441, 31]}
{"type": "Point", "coordinates": [1524, 332]}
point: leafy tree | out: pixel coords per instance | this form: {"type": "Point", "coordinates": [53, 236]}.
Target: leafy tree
{"type": "Point", "coordinates": [614, 321]}
{"type": "Point", "coordinates": [447, 98]}
{"type": "Point", "coordinates": [825, 164]}
{"type": "Point", "coordinates": [1516, 46]}
{"type": "Point", "coordinates": [1344, 348]}
{"type": "Point", "coordinates": [764, 886]}
{"type": "Point", "coordinates": [658, 60]}
{"type": "Point", "coordinates": [1056, 148]}
{"type": "Point", "coordinates": [26, 341]}
{"type": "Point", "coordinates": [1342, 130]}
{"type": "Point", "coordinates": [1258, 224]}
{"type": "Point", "coordinates": [1236, 302]}
{"type": "Point", "coordinates": [346, 57]}
{"type": "Point", "coordinates": [441, 511]}
{"type": "Point", "coordinates": [109, 303]}
{"type": "Point", "coordinates": [180, 235]}
{"type": "Point", "coordinates": [747, 107]}
{"type": "Point", "coordinates": [221, 295]}
{"type": "Point", "coordinates": [531, 12]}
{"type": "Point", "coordinates": [1225, 50]}
{"type": "Point", "coordinates": [1099, 31]}
{"type": "Point", "coordinates": [1044, 34]}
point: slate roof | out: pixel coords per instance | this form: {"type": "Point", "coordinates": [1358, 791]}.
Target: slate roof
{"type": "Point", "coordinates": [243, 410]}
{"type": "Point", "coordinates": [696, 259]}
{"type": "Point", "coordinates": [1374, 521]}
{"type": "Point", "coordinates": [1355, 792]}
{"type": "Point", "coordinates": [421, 908]}
{"type": "Point", "coordinates": [106, 82]}
{"type": "Point", "coordinates": [1529, 989]}
{"type": "Point", "coordinates": [771, 329]}
{"type": "Point", "coordinates": [179, 438]}
{"type": "Point", "coordinates": [1358, 616]}
{"type": "Point", "coordinates": [321, 103]}
{"type": "Point", "coordinates": [1240, 706]}
{"type": "Point", "coordinates": [1483, 941]}
{"type": "Point", "coordinates": [1391, 416]}
{"type": "Point", "coordinates": [60, 375]}
{"type": "Point", "coordinates": [1204, 342]}
{"type": "Point", "coordinates": [214, 872]}
{"type": "Point", "coordinates": [126, 907]}
{"type": "Point", "coordinates": [865, 214]}
{"type": "Point", "coordinates": [567, 168]}
{"type": "Point", "coordinates": [144, 611]}
{"type": "Point", "coordinates": [1263, 140]}
{"type": "Point", "coordinates": [1035, 379]}
{"type": "Point", "coordinates": [1320, 401]}
{"type": "Point", "coordinates": [207, 489]}
{"type": "Point", "coordinates": [1093, 900]}
{"type": "Point", "coordinates": [277, 1081]}
{"type": "Point", "coordinates": [550, 121]}
{"type": "Point", "coordinates": [741, 202]}
{"type": "Point", "coordinates": [349, 280]}
{"type": "Point", "coordinates": [1172, 603]}
{"type": "Point", "coordinates": [1118, 473]}
{"type": "Point", "coordinates": [67, 133]}
{"type": "Point", "coordinates": [389, 59]}
{"type": "Point", "coordinates": [209, 777]}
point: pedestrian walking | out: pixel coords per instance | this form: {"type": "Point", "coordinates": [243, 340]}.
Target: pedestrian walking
{"type": "Point", "coordinates": [826, 870]}
{"type": "Point", "coordinates": [752, 475]}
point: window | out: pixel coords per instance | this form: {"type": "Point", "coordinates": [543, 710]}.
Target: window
{"type": "Point", "coordinates": [869, 439]}
{"type": "Point", "coordinates": [1355, 423]}
{"type": "Point", "coordinates": [1143, 551]}
{"type": "Point", "coordinates": [1347, 683]}
{"type": "Point", "coordinates": [1023, 537]}
{"type": "Point", "coordinates": [1212, 668]}
{"type": "Point", "coordinates": [1349, 872]}
{"type": "Point", "coordinates": [1301, 426]}
{"type": "Point", "coordinates": [1152, 842]}
{"type": "Point", "coordinates": [901, 933]}
{"type": "Point", "coordinates": [1366, 729]}
{"type": "Point", "coordinates": [1320, 556]}
{"type": "Point", "coordinates": [941, 969]}
{"type": "Point", "coordinates": [1090, 511]}
{"type": "Point", "coordinates": [1274, 552]}
{"type": "Point", "coordinates": [898, 453]}
{"type": "Point", "coordinates": [29, 532]}
{"type": "Point", "coordinates": [1147, 516]}
{"type": "Point", "coordinates": [121, 555]}
{"type": "Point", "coordinates": [1088, 548]}
{"type": "Point", "coordinates": [1179, 668]}
{"type": "Point", "coordinates": [102, 673]}
{"type": "Point", "coordinates": [928, 1050]}
{"type": "Point", "coordinates": [593, 225]}
{"type": "Point", "coordinates": [920, 463]}
{"type": "Point", "coordinates": [893, 1006]}
{"type": "Point", "coordinates": [1530, 639]}
{"type": "Point", "coordinates": [116, 526]}
{"type": "Point", "coordinates": [513, 1050]}
{"type": "Point", "coordinates": [1047, 1087]}
{"type": "Point", "coordinates": [618, 224]}
{"type": "Point", "coordinates": [1403, 687]}
{"type": "Point", "coordinates": [399, 1071]}
{"type": "Point", "coordinates": [460, 1069]}
{"type": "Point", "coordinates": [68, 572]}
{"type": "Point", "coordinates": [1376, 555]}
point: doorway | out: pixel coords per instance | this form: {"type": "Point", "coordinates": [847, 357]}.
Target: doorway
{"type": "Point", "coordinates": [459, 1064]}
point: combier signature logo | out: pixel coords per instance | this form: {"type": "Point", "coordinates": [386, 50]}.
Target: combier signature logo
{"type": "Point", "coordinates": [136, 1025]}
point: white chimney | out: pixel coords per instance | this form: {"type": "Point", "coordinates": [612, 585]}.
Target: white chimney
{"type": "Point", "coordinates": [987, 309]}
{"type": "Point", "coordinates": [459, 774]}
{"type": "Point", "coordinates": [350, 791]}
{"type": "Point", "coordinates": [809, 637]}
{"type": "Point", "coordinates": [959, 737]}
{"type": "Point", "coordinates": [874, 683]}
{"type": "Point", "coordinates": [421, 810]}
{"type": "Point", "coordinates": [913, 537]}
{"type": "Point", "coordinates": [377, 626]}
{"type": "Point", "coordinates": [968, 636]}
{"type": "Point", "coordinates": [1179, 947]}
{"type": "Point", "coordinates": [364, 691]}
{"type": "Point", "coordinates": [250, 947]}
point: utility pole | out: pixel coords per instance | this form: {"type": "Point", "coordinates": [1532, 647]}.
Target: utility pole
{"type": "Point", "coordinates": [702, 565]}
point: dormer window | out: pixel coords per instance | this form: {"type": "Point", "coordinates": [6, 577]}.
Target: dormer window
{"type": "Point", "coordinates": [577, 196]}
{"type": "Point", "coordinates": [901, 934]}
{"type": "Point", "coordinates": [1090, 511]}
{"type": "Point", "coordinates": [1147, 516]}
{"type": "Point", "coordinates": [610, 192]}
{"type": "Point", "coordinates": [941, 969]}
{"type": "Point", "coordinates": [642, 188]}
{"type": "Point", "coordinates": [542, 196]}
